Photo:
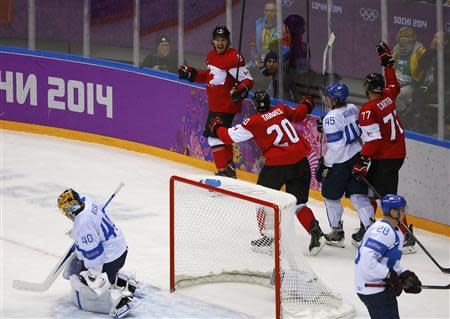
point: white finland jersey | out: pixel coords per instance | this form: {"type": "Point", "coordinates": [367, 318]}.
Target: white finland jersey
{"type": "Point", "coordinates": [342, 131]}
{"type": "Point", "coordinates": [380, 250]}
{"type": "Point", "coordinates": [97, 240]}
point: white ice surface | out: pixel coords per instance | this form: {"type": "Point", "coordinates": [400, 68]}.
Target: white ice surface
{"type": "Point", "coordinates": [35, 169]}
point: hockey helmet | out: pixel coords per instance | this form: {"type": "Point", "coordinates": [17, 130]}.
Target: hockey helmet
{"type": "Point", "coordinates": [392, 201]}
{"type": "Point", "coordinates": [337, 91]}
{"type": "Point", "coordinates": [261, 101]}
{"type": "Point", "coordinates": [70, 204]}
{"type": "Point", "coordinates": [221, 32]}
{"type": "Point", "coordinates": [374, 82]}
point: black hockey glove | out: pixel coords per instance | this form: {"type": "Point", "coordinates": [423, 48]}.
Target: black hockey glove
{"type": "Point", "coordinates": [321, 170]}
{"type": "Point", "coordinates": [411, 283]}
{"type": "Point", "coordinates": [187, 73]}
{"type": "Point", "coordinates": [309, 102]}
{"type": "Point", "coordinates": [393, 283]}
{"type": "Point", "coordinates": [319, 125]}
{"type": "Point", "coordinates": [214, 124]}
{"type": "Point", "coordinates": [385, 54]}
{"type": "Point", "coordinates": [238, 93]}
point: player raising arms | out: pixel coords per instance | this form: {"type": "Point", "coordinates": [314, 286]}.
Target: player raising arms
{"type": "Point", "coordinates": [101, 251]}
{"type": "Point", "coordinates": [383, 135]}
{"type": "Point", "coordinates": [285, 153]}
{"type": "Point", "coordinates": [335, 169]}
{"type": "Point", "coordinates": [225, 91]}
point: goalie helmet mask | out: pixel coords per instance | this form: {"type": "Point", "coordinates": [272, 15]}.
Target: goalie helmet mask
{"type": "Point", "coordinates": [261, 101]}
{"type": "Point", "coordinates": [374, 82]}
{"type": "Point", "coordinates": [392, 201]}
{"type": "Point", "coordinates": [70, 204]}
{"type": "Point", "coordinates": [221, 32]}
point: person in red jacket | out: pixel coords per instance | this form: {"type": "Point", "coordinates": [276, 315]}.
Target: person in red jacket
{"type": "Point", "coordinates": [383, 135]}
{"type": "Point", "coordinates": [226, 86]}
{"type": "Point", "coordinates": [285, 153]}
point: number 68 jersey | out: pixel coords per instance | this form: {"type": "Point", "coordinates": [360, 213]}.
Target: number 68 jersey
{"type": "Point", "coordinates": [97, 239]}
{"type": "Point", "coordinates": [274, 134]}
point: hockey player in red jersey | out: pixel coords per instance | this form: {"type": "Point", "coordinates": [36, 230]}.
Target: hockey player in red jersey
{"type": "Point", "coordinates": [225, 90]}
{"type": "Point", "coordinates": [285, 153]}
{"type": "Point", "coordinates": [383, 134]}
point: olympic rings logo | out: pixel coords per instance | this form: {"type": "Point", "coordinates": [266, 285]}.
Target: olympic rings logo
{"type": "Point", "coordinates": [287, 3]}
{"type": "Point", "coordinates": [447, 27]}
{"type": "Point", "coordinates": [368, 14]}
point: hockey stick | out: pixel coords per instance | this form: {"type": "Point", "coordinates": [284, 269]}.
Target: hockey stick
{"type": "Point", "coordinates": [69, 255]}
{"type": "Point", "coordinates": [423, 286]}
{"type": "Point", "coordinates": [324, 62]}
{"type": "Point", "coordinates": [240, 42]}
{"type": "Point", "coordinates": [443, 269]}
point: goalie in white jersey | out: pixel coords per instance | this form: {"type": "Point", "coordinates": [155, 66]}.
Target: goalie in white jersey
{"type": "Point", "coordinates": [335, 169]}
{"type": "Point", "coordinates": [101, 252]}
{"type": "Point", "coordinates": [379, 278]}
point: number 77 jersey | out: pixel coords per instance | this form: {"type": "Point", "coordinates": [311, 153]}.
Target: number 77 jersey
{"type": "Point", "coordinates": [382, 130]}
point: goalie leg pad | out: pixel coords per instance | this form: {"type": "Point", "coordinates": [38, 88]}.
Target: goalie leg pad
{"type": "Point", "coordinates": [123, 302]}
{"type": "Point", "coordinates": [86, 299]}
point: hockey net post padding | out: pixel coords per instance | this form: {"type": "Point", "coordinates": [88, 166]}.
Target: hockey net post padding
{"type": "Point", "coordinates": [211, 230]}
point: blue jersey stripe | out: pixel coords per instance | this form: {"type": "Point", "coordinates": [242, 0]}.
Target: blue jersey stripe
{"type": "Point", "coordinates": [376, 245]}
{"type": "Point", "coordinates": [334, 137]}
{"type": "Point", "coordinates": [92, 254]}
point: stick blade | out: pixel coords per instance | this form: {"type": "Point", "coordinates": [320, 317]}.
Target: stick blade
{"type": "Point", "coordinates": [331, 39]}
{"type": "Point", "coordinates": [29, 286]}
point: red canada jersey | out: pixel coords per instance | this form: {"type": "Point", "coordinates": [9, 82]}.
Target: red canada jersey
{"type": "Point", "coordinates": [274, 134]}
{"type": "Point", "coordinates": [382, 130]}
{"type": "Point", "coordinates": [220, 78]}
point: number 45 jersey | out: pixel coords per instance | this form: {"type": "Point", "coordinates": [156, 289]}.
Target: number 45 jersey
{"type": "Point", "coordinates": [274, 134]}
{"type": "Point", "coordinates": [340, 126]}
{"type": "Point", "coordinates": [97, 239]}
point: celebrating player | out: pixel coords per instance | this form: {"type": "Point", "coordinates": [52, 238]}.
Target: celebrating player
{"type": "Point", "coordinates": [101, 252]}
{"type": "Point", "coordinates": [285, 153]}
{"type": "Point", "coordinates": [383, 134]}
{"type": "Point", "coordinates": [225, 89]}
{"type": "Point", "coordinates": [379, 279]}
{"type": "Point", "coordinates": [335, 169]}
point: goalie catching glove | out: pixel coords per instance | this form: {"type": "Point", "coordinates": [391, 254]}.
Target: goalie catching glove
{"type": "Point", "coordinates": [187, 73]}
{"type": "Point", "coordinates": [385, 54]}
{"type": "Point", "coordinates": [238, 93]}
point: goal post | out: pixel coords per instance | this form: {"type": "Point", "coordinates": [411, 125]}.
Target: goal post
{"type": "Point", "coordinates": [214, 233]}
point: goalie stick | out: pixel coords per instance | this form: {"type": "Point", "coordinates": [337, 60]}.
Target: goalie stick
{"type": "Point", "coordinates": [60, 266]}
{"type": "Point", "coordinates": [443, 269]}
{"type": "Point", "coordinates": [324, 62]}
{"type": "Point", "coordinates": [423, 286]}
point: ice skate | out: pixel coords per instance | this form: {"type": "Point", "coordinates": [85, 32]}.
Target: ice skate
{"type": "Point", "coordinates": [317, 239]}
{"type": "Point", "coordinates": [336, 237]}
{"type": "Point", "coordinates": [126, 303]}
{"type": "Point", "coordinates": [229, 171]}
{"type": "Point", "coordinates": [263, 245]}
{"type": "Point", "coordinates": [409, 242]}
{"type": "Point", "coordinates": [358, 235]}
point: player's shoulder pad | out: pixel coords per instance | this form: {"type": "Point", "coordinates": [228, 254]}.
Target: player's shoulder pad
{"type": "Point", "coordinates": [382, 232]}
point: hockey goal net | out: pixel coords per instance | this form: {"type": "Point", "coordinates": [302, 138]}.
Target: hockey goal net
{"type": "Point", "coordinates": [211, 234]}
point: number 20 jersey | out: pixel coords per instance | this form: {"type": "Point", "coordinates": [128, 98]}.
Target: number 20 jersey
{"type": "Point", "coordinates": [275, 135]}
{"type": "Point", "coordinates": [382, 131]}
{"type": "Point", "coordinates": [97, 239]}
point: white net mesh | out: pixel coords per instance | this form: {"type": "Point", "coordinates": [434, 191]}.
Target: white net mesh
{"type": "Point", "coordinates": [218, 237]}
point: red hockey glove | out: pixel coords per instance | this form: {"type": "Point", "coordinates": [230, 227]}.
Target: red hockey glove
{"type": "Point", "coordinates": [239, 92]}
{"type": "Point", "coordinates": [385, 54]}
{"type": "Point", "coordinates": [309, 102]}
{"type": "Point", "coordinates": [393, 283]}
{"type": "Point", "coordinates": [187, 73]}
{"type": "Point", "coordinates": [360, 168]}
{"type": "Point", "coordinates": [410, 282]}
{"type": "Point", "coordinates": [214, 124]}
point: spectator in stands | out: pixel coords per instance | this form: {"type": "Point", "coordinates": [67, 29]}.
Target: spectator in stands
{"type": "Point", "coordinates": [268, 36]}
{"type": "Point", "coordinates": [299, 49]}
{"type": "Point", "coordinates": [406, 53]}
{"type": "Point", "coordinates": [162, 59]}
{"type": "Point", "coordinates": [271, 69]}
{"type": "Point", "coordinates": [426, 93]}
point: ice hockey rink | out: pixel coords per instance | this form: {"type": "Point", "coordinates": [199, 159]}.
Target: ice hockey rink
{"type": "Point", "coordinates": [35, 169]}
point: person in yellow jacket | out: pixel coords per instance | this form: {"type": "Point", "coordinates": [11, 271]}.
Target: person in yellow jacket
{"type": "Point", "coordinates": [407, 53]}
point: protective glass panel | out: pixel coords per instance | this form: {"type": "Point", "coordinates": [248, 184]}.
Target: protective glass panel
{"type": "Point", "coordinates": [159, 35]}
{"type": "Point", "coordinates": [446, 70]}
{"type": "Point", "coordinates": [14, 23]}
{"type": "Point", "coordinates": [112, 29]}
{"type": "Point", "coordinates": [59, 26]}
